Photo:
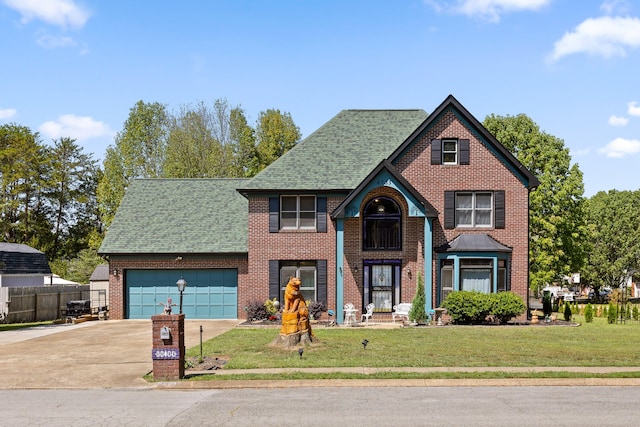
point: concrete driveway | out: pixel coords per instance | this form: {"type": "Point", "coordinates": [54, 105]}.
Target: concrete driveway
{"type": "Point", "coordinates": [97, 354]}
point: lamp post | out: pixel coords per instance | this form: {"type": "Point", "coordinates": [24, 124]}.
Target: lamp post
{"type": "Point", "coordinates": [181, 284]}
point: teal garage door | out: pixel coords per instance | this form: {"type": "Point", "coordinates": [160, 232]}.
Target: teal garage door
{"type": "Point", "coordinates": [210, 293]}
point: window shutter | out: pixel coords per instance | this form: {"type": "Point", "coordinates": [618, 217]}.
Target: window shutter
{"type": "Point", "coordinates": [436, 152]}
{"type": "Point", "coordinates": [449, 209]}
{"type": "Point", "coordinates": [321, 290]}
{"type": "Point", "coordinates": [321, 214]}
{"type": "Point", "coordinates": [274, 279]}
{"type": "Point", "coordinates": [274, 214]}
{"type": "Point", "coordinates": [499, 209]}
{"type": "Point", "coordinates": [464, 151]}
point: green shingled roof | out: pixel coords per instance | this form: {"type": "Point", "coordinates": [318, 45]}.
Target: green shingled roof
{"type": "Point", "coordinates": [340, 154]}
{"type": "Point", "coordinates": [180, 216]}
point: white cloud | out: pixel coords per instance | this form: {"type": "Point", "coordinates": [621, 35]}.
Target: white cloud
{"type": "Point", "coordinates": [7, 113]}
{"type": "Point", "coordinates": [621, 147]}
{"type": "Point", "coordinates": [618, 121]}
{"type": "Point", "coordinates": [620, 7]}
{"type": "Point", "coordinates": [490, 10]}
{"type": "Point", "coordinates": [76, 127]}
{"type": "Point", "coordinates": [633, 109]}
{"type": "Point", "coordinates": [52, 42]}
{"type": "Point", "coordinates": [606, 36]}
{"type": "Point", "coordinates": [62, 13]}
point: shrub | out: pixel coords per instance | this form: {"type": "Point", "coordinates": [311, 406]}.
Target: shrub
{"type": "Point", "coordinates": [567, 312]}
{"type": "Point", "coordinates": [417, 313]}
{"type": "Point", "coordinates": [270, 306]}
{"type": "Point", "coordinates": [316, 308]}
{"type": "Point", "coordinates": [635, 312]}
{"type": "Point", "coordinates": [546, 304]}
{"type": "Point", "coordinates": [256, 310]}
{"type": "Point", "coordinates": [507, 305]}
{"type": "Point", "coordinates": [588, 313]}
{"type": "Point", "coordinates": [612, 315]}
{"type": "Point", "coordinates": [467, 306]}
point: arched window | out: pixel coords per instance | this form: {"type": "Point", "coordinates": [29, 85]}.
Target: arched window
{"type": "Point", "coordinates": [382, 225]}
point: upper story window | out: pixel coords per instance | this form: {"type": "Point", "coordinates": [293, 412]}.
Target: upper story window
{"type": "Point", "coordinates": [449, 151]}
{"type": "Point", "coordinates": [382, 225]}
{"type": "Point", "coordinates": [474, 209]}
{"type": "Point", "coordinates": [298, 212]}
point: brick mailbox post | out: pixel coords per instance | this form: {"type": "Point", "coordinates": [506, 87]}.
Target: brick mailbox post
{"type": "Point", "coordinates": [168, 346]}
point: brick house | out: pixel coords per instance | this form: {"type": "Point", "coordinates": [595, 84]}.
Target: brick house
{"type": "Point", "coordinates": [357, 210]}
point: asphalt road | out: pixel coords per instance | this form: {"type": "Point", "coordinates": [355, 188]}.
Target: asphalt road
{"type": "Point", "coordinates": [342, 406]}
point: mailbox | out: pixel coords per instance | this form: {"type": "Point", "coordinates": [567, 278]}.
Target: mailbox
{"type": "Point", "coordinates": [165, 333]}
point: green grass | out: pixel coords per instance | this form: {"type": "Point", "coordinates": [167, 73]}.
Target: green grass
{"type": "Point", "coordinates": [14, 326]}
{"type": "Point", "coordinates": [592, 344]}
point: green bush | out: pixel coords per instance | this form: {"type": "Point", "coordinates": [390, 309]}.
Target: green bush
{"type": "Point", "coordinates": [507, 305]}
{"type": "Point", "coordinates": [467, 307]}
{"type": "Point", "coordinates": [635, 312]}
{"type": "Point", "coordinates": [567, 312]}
{"type": "Point", "coordinates": [417, 313]}
{"type": "Point", "coordinates": [588, 313]}
{"type": "Point", "coordinates": [612, 315]}
{"type": "Point", "coordinates": [546, 303]}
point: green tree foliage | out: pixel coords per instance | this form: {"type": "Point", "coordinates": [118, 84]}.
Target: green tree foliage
{"type": "Point", "coordinates": [558, 231]}
{"type": "Point", "coordinates": [139, 152]}
{"type": "Point", "coordinates": [276, 133]}
{"type": "Point", "coordinates": [615, 243]}
{"type": "Point", "coordinates": [417, 313]}
{"type": "Point", "coordinates": [588, 313]}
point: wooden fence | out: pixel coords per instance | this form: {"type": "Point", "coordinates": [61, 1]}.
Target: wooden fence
{"type": "Point", "coordinates": [40, 303]}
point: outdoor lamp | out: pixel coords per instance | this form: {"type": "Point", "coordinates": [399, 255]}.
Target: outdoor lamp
{"type": "Point", "coordinates": [181, 284]}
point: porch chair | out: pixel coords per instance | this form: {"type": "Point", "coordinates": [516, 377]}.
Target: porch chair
{"type": "Point", "coordinates": [366, 316]}
{"type": "Point", "coordinates": [349, 314]}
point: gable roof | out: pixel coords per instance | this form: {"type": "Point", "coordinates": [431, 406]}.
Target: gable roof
{"type": "Point", "coordinates": [429, 210]}
{"type": "Point", "coordinates": [527, 176]}
{"type": "Point", "coordinates": [340, 154]}
{"type": "Point", "coordinates": [173, 216]}
{"type": "Point", "coordinates": [16, 258]}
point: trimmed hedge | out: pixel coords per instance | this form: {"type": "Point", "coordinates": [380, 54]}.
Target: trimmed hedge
{"type": "Point", "coordinates": [472, 307]}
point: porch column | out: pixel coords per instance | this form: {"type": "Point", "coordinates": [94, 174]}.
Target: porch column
{"type": "Point", "coordinates": [339, 270]}
{"type": "Point", "coordinates": [428, 263]}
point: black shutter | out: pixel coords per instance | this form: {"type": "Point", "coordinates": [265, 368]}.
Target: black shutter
{"type": "Point", "coordinates": [274, 279]}
{"type": "Point", "coordinates": [321, 290]}
{"type": "Point", "coordinates": [436, 152]}
{"type": "Point", "coordinates": [449, 209]}
{"type": "Point", "coordinates": [464, 151]}
{"type": "Point", "coordinates": [274, 214]}
{"type": "Point", "coordinates": [499, 207]}
{"type": "Point", "coordinates": [321, 214]}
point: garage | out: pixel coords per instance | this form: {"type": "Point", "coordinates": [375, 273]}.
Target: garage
{"type": "Point", "coordinates": [210, 293]}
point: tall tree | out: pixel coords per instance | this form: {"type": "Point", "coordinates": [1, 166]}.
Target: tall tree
{"type": "Point", "coordinates": [615, 240]}
{"type": "Point", "coordinates": [276, 133]}
{"type": "Point", "coordinates": [557, 230]}
{"type": "Point", "coordinates": [23, 164]}
{"type": "Point", "coordinates": [71, 193]}
{"type": "Point", "coordinates": [139, 152]}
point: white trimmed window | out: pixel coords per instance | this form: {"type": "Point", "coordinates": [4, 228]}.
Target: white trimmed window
{"type": "Point", "coordinates": [474, 209]}
{"type": "Point", "coordinates": [449, 151]}
{"type": "Point", "coordinates": [306, 271]}
{"type": "Point", "coordinates": [298, 212]}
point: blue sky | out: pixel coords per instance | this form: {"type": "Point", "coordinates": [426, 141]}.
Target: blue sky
{"type": "Point", "coordinates": [76, 67]}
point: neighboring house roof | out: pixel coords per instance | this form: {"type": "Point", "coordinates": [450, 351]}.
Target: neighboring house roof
{"type": "Point", "coordinates": [341, 154]}
{"type": "Point", "coordinates": [473, 243]}
{"type": "Point", "coordinates": [528, 178]}
{"type": "Point", "coordinates": [16, 258]}
{"type": "Point", "coordinates": [174, 216]}
{"type": "Point", "coordinates": [101, 273]}
{"type": "Point", "coordinates": [54, 279]}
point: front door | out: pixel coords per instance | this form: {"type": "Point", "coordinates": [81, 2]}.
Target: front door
{"type": "Point", "coordinates": [382, 284]}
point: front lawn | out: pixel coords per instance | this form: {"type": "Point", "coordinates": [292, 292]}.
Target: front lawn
{"type": "Point", "coordinates": [592, 344]}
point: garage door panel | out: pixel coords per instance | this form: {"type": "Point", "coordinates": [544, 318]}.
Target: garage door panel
{"type": "Point", "coordinates": [210, 293]}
